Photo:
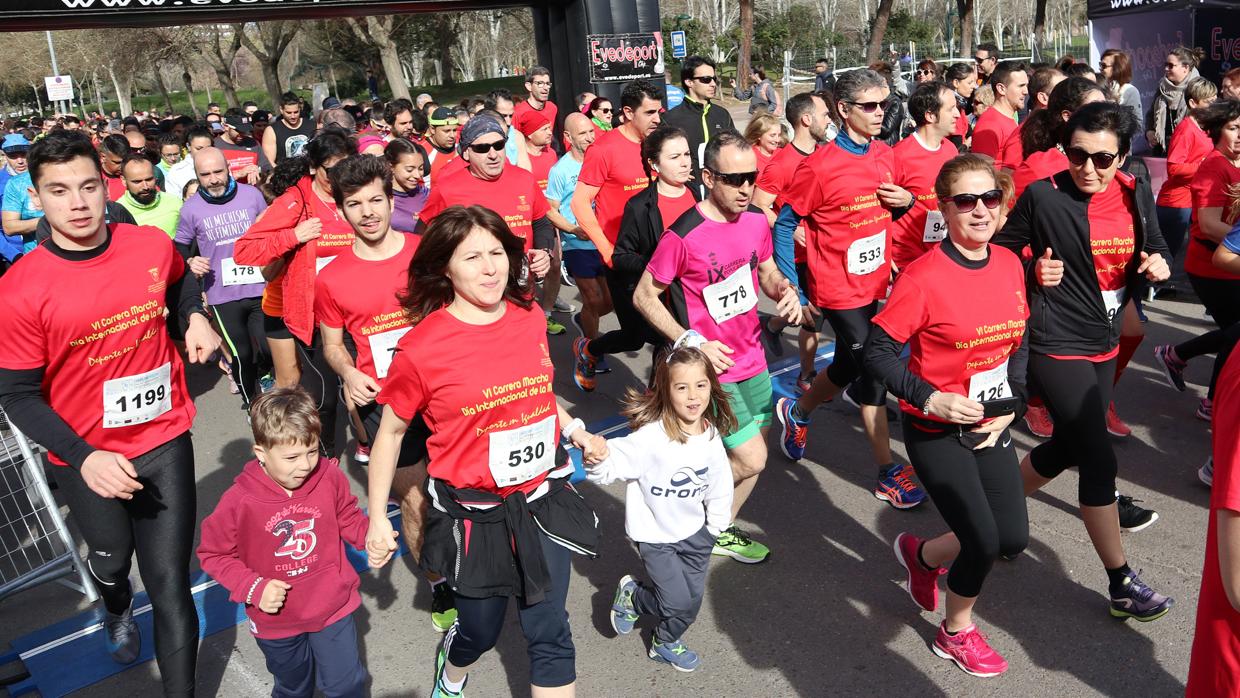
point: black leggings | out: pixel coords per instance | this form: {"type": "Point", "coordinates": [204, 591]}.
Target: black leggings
{"type": "Point", "coordinates": [549, 641]}
{"type": "Point", "coordinates": [1077, 393]}
{"type": "Point", "coordinates": [851, 328]}
{"type": "Point", "coordinates": [158, 523]}
{"type": "Point", "coordinates": [318, 378]}
{"type": "Point", "coordinates": [979, 494]}
{"type": "Point", "coordinates": [241, 323]}
{"type": "Point", "coordinates": [1221, 297]}
{"type": "Point", "coordinates": [634, 332]}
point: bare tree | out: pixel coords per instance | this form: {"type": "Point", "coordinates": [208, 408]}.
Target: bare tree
{"type": "Point", "coordinates": [379, 33]}
{"type": "Point", "coordinates": [880, 29]}
{"type": "Point", "coordinates": [268, 42]}
{"type": "Point", "coordinates": [965, 9]}
{"type": "Point", "coordinates": [222, 51]}
{"type": "Point", "coordinates": [1039, 28]}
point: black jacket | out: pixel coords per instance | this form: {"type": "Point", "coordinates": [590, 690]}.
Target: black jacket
{"type": "Point", "coordinates": [641, 226]}
{"type": "Point", "coordinates": [700, 122]}
{"type": "Point", "coordinates": [1071, 319]}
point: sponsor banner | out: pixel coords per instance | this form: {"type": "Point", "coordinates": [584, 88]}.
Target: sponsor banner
{"type": "Point", "coordinates": [1217, 31]}
{"type": "Point", "coordinates": [623, 57]}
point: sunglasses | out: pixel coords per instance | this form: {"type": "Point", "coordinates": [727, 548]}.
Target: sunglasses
{"type": "Point", "coordinates": [605, 111]}
{"type": "Point", "coordinates": [1102, 160]}
{"type": "Point", "coordinates": [981, 59]}
{"type": "Point", "coordinates": [736, 179]}
{"type": "Point", "coordinates": [1171, 66]}
{"type": "Point", "coordinates": [870, 107]}
{"type": "Point", "coordinates": [922, 71]}
{"type": "Point", "coordinates": [705, 78]}
{"type": "Point", "coordinates": [967, 202]}
{"type": "Point", "coordinates": [484, 148]}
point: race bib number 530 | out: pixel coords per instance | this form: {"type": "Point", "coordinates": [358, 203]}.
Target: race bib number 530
{"type": "Point", "coordinates": [521, 454]}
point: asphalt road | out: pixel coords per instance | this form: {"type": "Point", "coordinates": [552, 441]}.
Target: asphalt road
{"type": "Point", "coordinates": [826, 614]}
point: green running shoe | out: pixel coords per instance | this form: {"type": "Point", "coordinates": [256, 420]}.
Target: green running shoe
{"type": "Point", "coordinates": [737, 544]}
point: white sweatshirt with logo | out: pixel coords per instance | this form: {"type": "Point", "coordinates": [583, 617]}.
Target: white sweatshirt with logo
{"type": "Point", "coordinates": [673, 487]}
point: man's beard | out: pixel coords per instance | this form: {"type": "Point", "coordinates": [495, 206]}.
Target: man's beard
{"type": "Point", "coordinates": [145, 198]}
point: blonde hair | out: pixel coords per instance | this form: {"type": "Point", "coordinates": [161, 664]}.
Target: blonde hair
{"type": "Point", "coordinates": [285, 416]}
{"type": "Point", "coordinates": [760, 124]}
{"type": "Point", "coordinates": [643, 407]}
{"type": "Point", "coordinates": [984, 95]}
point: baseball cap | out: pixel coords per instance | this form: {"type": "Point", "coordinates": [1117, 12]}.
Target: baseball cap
{"type": "Point", "coordinates": [15, 142]}
{"type": "Point", "coordinates": [260, 116]}
{"type": "Point", "coordinates": [240, 123]}
{"type": "Point", "coordinates": [330, 102]}
{"type": "Point", "coordinates": [443, 116]}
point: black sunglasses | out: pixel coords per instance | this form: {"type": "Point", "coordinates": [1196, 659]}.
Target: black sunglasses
{"type": "Point", "coordinates": [923, 71]}
{"type": "Point", "coordinates": [484, 148]}
{"type": "Point", "coordinates": [967, 202]}
{"type": "Point", "coordinates": [705, 78]}
{"type": "Point", "coordinates": [980, 59]}
{"type": "Point", "coordinates": [605, 111]}
{"type": "Point", "coordinates": [1102, 160]}
{"type": "Point", "coordinates": [870, 107]}
{"type": "Point", "coordinates": [736, 179]}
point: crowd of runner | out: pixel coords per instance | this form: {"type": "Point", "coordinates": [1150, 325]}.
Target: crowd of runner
{"type": "Point", "coordinates": [980, 243]}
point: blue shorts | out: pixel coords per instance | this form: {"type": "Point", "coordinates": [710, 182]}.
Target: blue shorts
{"type": "Point", "coordinates": [584, 264]}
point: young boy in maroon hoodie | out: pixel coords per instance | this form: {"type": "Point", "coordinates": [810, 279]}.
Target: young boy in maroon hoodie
{"type": "Point", "coordinates": [275, 541]}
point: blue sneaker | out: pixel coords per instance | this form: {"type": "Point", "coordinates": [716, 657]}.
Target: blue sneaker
{"type": "Point", "coordinates": [600, 365]}
{"type": "Point", "coordinates": [623, 615]}
{"type": "Point", "coordinates": [439, 691]}
{"type": "Point", "coordinates": [267, 383]}
{"type": "Point", "coordinates": [1139, 601]}
{"type": "Point", "coordinates": [675, 653]}
{"type": "Point", "coordinates": [897, 488]}
{"type": "Point", "coordinates": [794, 433]}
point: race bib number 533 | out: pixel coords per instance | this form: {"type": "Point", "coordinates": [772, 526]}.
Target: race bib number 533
{"type": "Point", "coordinates": [866, 255]}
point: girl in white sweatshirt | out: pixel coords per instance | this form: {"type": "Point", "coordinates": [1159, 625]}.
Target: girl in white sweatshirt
{"type": "Point", "coordinates": [679, 497]}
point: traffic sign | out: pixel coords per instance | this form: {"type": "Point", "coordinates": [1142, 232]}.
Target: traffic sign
{"type": "Point", "coordinates": [59, 87]}
{"type": "Point", "coordinates": [678, 44]}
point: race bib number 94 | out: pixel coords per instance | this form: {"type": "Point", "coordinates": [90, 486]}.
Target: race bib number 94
{"type": "Point", "coordinates": [519, 455]}
{"type": "Point", "coordinates": [936, 227]}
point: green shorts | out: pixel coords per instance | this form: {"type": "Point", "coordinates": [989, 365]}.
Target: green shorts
{"type": "Point", "coordinates": [750, 401]}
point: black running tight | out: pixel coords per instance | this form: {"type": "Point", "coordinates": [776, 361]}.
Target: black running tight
{"type": "Point", "coordinates": [980, 495]}
{"type": "Point", "coordinates": [1077, 393]}
{"type": "Point", "coordinates": [318, 378]}
{"type": "Point", "coordinates": [157, 524]}
{"type": "Point", "coordinates": [1221, 298]}
{"type": "Point", "coordinates": [634, 332]}
{"type": "Point", "coordinates": [241, 323]}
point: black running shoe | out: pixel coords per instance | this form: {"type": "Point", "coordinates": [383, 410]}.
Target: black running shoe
{"type": "Point", "coordinates": [123, 638]}
{"type": "Point", "coordinates": [1133, 518]}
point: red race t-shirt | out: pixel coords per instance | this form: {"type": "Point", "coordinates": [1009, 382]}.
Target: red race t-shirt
{"type": "Point", "coordinates": [542, 164]}
{"type": "Point", "coordinates": [440, 160]}
{"type": "Point", "coordinates": [1037, 166]}
{"type": "Point", "coordinates": [991, 131]}
{"type": "Point", "coordinates": [848, 232]}
{"type": "Point", "coordinates": [1189, 148]}
{"type": "Point", "coordinates": [962, 125]}
{"type": "Point", "coordinates": [1112, 243]}
{"type": "Point", "coordinates": [671, 208]}
{"type": "Point", "coordinates": [1011, 154]}
{"type": "Point", "coordinates": [1209, 189]}
{"type": "Point", "coordinates": [359, 296]}
{"type": "Point", "coordinates": [493, 423]}
{"type": "Point", "coordinates": [1214, 669]}
{"type": "Point", "coordinates": [614, 165]}
{"type": "Point", "coordinates": [763, 158]}
{"type": "Point", "coordinates": [548, 110]}
{"type": "Point", "coordinates": [116, 186]}
{"type": "Point", "coordinates": [922, 227]}
{"type": "Point", "coordinates": [515, 196]}
{"type": "Point", "coordinates": [774, 180]}
{"type": "Point", "coordinates": [111, 371]}
{"type": "Point", "coordinates": [959, 347]}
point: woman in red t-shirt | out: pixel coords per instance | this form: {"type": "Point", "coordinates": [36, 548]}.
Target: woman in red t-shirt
{"type": "Point", "coordinates": [504, 517]}
{"type": "Point", "coordinates": [1215, 187]}
{"type": "Point", "coordinates": [765, 134]}
{"type": "Point", "coordinates": [965, 360]}
{"type": "Point", "coordinates": [1189, 147]}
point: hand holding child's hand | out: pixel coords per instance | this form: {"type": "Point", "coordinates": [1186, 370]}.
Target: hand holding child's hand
{"type": "Point", "coordinates": [273, 596]}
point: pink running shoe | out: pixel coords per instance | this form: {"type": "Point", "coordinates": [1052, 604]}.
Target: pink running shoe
{"type": "Point", "coordinates": [970, 651]}
{"type": "Point", "coordinates": [923, 583]}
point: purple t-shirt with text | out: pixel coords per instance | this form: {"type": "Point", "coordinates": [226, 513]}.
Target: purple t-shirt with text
{"type": "Point", "coordinates": [215, 227]}
{"type": "Point", "coordinates": [711, 269]}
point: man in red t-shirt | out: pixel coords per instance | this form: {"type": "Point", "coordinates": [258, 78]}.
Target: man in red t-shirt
{"type": "Point", "coordinates": [845, 193]}
{"type": "Point", "coordinates": [1011, 85]}
{"type": "Point", "coordinates": [1011, 154]}
{"type": "Point", "coordinates": [918, 161]}
{"type": "Point", "coordinates": [810, 117]}
{"type": "Point", "coordinates": [1214, 669]}
{"type": "Point", "coordinates": [613, 172]}
{"type": "Point", "coordinates": [112, 152]}
{"type": "Point", "coordinates": [359, 293]}
{"type": "Point", "coordinates": [538, 85]}
{"type": "Point", "coordinates": [88, 370]}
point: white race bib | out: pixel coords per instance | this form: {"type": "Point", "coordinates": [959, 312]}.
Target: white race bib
{"type": "Point", "coordinates": [865, 256]}
{"type": "Point", "coordinates": [383, 348]}
{"type": "Point", "coordinates": [320, 262]}
{"type": "Point", "coordinates": [137, 399]}
{"type": "Point", "coordinates": [233, 274]}
{"type": "Point", "coordinates": [936, 227]}
{"type": "Point", "coordinates": [521, 454]}
{"type": "Point", "coordinates": [731, 297]}
{"type": "Point", "coordinates": [990, 385]}
{"type": "Point", "coordinates": [1114, 300]}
